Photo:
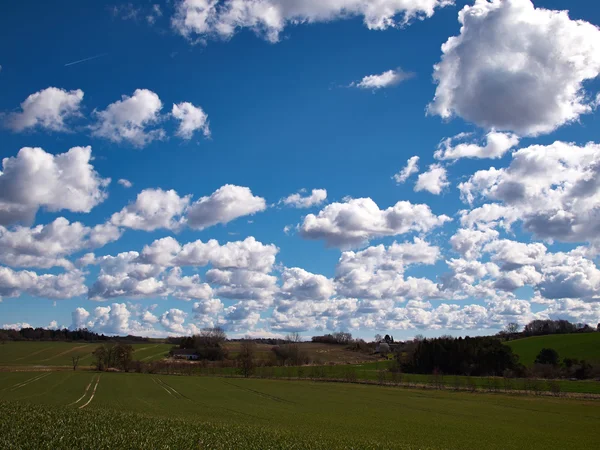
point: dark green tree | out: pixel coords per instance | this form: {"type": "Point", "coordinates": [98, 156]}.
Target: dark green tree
{"type": "Point", "coordinates": [547, 356]}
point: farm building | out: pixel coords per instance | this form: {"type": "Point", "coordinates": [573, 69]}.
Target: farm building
{"type": "Point", "coordinates": [189, 354]}
{"type": "Point", "coordinates": [382, 347]}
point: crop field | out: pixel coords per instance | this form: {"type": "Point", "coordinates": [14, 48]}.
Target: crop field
{"type": "Point", "coordinates": [60, 353]}
{"type": "Point", "coordinates": [581, 346]}
{"type": "Point", "coordinates": [110, 410]}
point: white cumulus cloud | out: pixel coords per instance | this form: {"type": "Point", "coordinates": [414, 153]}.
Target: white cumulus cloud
{"type": "Point", "coordinates": [386, 79]}
{"type": "Point", "coordinates": [191, 119]}
{"type": "Point", "coordinates": [435, 180]}
{"type": "Point", "coordinates": [356, 221]}
{"type": "Point", "coordinates": [35, 178]}
{"type": "Point", "coordinates": [496, 146]}
{"type": "Point", "coordinates": [530, 83]}
{"type": "Point", "coordinates": [412, 167]}
{"type": "Point", "coordinates": [131, 119]}
{"type": "Point", "coordinates": [298, 200]}
{"type": "Point", "coordinates": [48, 108]}
{"type": "Point", "coordinates": [227, 203]}
{"type": "Point", "coordinates": [215, 18]}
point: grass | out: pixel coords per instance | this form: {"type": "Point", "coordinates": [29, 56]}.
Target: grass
{"type": "Point", "coordinates": [581, 346]}
{"type": "Point", "coordinates": [60, 353]}
{"type": "Point", "coordinates": [146, 411]}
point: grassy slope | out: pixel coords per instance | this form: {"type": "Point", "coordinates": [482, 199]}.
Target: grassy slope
{"type": "Point", "coordinates": [581, 346]}
{"type": "Point", "coordinates": [60, 353]}
{"type": "Point", "coordinates": [333, 415]}
{"type": "Point", "coordinates": [321, 353]}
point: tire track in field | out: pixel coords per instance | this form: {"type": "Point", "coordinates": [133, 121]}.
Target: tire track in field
{"type": "Point", "coordinates": [66, 352]}
{"type": "Point", "coordinates": [144, 348]}
{"type": "Point", "coordinates": [172, 390]}
{"type": "Point", "coordinates": [85, 393]}
{"type": "Point", "coordinates": [32, 354]}
{"type": "Point", "coordinates": [29, 381]}
{"type": "Point", "coordinates": [152, 356]}
{"type": "Point", "coordinates": [261, 394]}
{"type": "Point", "coordinates": [168, 391]}
{"type": "Point", "coordinates": [93, 394]}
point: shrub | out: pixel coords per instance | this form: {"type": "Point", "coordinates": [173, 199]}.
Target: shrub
{"type": "Point", "coordinates": [547, 356]}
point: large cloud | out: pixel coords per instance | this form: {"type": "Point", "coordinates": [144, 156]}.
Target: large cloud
{"type": "Point", "coordinates": [516, 67]}
{"type": "Point", "coordinates": [130, 119]}
{"type": "Point", "coordinates": [357, 221]}
{"type": "Point", "coordinates": [224, 205]}
{"type": "Point", "coordinates": [48, 108]}
{"type": "Point", "coordinates": [35, 178]}
{"type": "Point", "coordinates": [552, 189]}
{"type": "Point", "coordinates": [208, 18]}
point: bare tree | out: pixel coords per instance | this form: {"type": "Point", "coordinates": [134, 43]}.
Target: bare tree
{"type": "Point", "coordinates": [378, 338]}
{"type": "Point", "coordinates": [75, 360]}
{"type": "Point", "coordinates": [246, 357]}
{"type": "Point", "coordinates": [512, 328]}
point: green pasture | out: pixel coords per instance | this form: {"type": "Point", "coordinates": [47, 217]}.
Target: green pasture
{"type": "Point", "coordinates": [148, 411]}
{"type": "Point", "coordinates": [61, 353]}
{"type": "Point", "coordinates": [378, 372]}
{"type": "Point", "coordinates": [581, 346]}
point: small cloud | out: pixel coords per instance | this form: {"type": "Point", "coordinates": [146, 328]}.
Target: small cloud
{"type": "Point", "coordinates": [412, 167]}
{"type": "Point", "coordinates": [125, 183]}
{"type": "Point", "coordinates": [386, 79]}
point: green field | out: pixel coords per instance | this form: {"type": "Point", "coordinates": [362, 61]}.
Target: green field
{"type": "Point", "coordinates": [581, 346]}
{"type": "Point", "coordinates": [60, 353]}
{"type": "Point", "coordinates": [147, 411]}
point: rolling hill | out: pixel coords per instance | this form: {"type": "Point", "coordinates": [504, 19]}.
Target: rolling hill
{"type": "Point", "coordinates": [581, 346]}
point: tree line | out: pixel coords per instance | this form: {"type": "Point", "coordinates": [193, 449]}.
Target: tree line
{"type": "Point", "coordinates": [45, 334]}
{"type": "Point", "coordinates": [479, 356]}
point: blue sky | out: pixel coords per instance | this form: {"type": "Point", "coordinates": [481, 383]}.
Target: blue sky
{"type": "Point", "coordinates": [287, 111]}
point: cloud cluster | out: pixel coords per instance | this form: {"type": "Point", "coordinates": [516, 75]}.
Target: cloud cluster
{"type": "Point", "coordinates": [35, 179]}
{"type": "Point", "coordinates": [46, 246]}
{"type": "Point", "coordinates": [552, 189]}
{"type": "Point", "coordinates": [531, 83]}
{"type": "Point", "coordinates": [239, 270]}
{"type": "Point", "coordinates": [134, 119]}
{"type": "Point", "coordinates": [268, 18]}
{"type": "Point", "coordinates": [16, 283]}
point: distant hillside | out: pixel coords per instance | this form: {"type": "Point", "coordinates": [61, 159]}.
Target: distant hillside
{"type": "Point", "coordinates": [580, 345]}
